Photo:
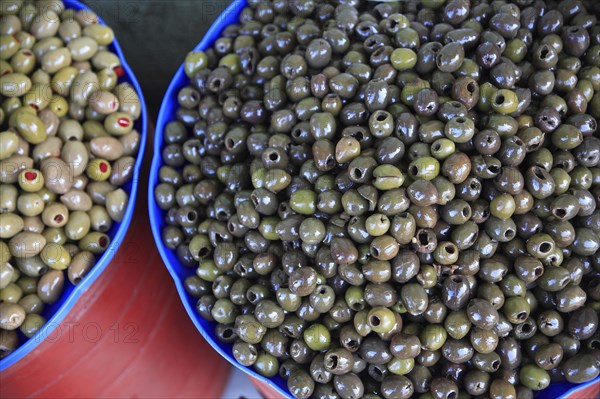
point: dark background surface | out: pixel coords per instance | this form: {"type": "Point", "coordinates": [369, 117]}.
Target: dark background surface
{"type": "Point", "coordinates": [156, 35]}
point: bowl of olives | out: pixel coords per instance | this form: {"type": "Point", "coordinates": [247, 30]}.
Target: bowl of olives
{"type": "Point", "coordinates": [389, 199]}
{"type": "Point", "coordinates": [71, 146]}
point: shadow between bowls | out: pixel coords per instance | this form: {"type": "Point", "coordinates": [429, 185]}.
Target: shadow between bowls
{"type": "Point", "coordinates": [56, 312]}
{"type": "Point", "coordinates": [269, 387]}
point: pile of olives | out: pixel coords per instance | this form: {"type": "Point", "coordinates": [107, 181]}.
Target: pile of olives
{"type": "Point", "coordinates": [394, 199]}
{"type": "Point", "coordinates": [67, 151]}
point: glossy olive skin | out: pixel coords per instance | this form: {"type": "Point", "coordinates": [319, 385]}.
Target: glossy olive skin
{"type": "Point", "coordinates": [581, 368]}
{"type": "Point", "coordinates": [583, 323]}
{"type": "Point", "coordinates": [482, 314]}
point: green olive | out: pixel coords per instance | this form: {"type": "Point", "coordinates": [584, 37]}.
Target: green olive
{"type": "Point", "coordinates": [442, 148]}
{"type": "Point", "coordinates": [387, 177]}
{"type": "Point", "coordinates": [55, 256]}
{"type": "Point", "coordinates": [32, 324]}
{"type": "Point", "coordinates": [401, 366]}
{"type": "Point", "coordinates": [95, 242]}
{"type": "Point", "coordinates": [381, 319]}
{"type": "Point", "coordinates": [195, 61]}
{"type": "Point", "coordinates": [304, 202]}
{"type": "Point", "coordinates": [505, 101]}
{"type": "Point", "coordinates": [31, 180]}
{"type": "Point", "coordinates": [30, 127]}
{"type": "Point", "coordinates": [15, 85]}
{"type": "Point", "coordinates": [425, 168]}
{"type": "Point", "coordinates": [433, 337]}
{"type": "Point", "coordinates": [403, 59]}
{"type": "Point", "coordinates": [118, 123]}
{"type": "Point", "coordinates": [317, 337]}
{"type": "Point", "coordinates": [9, 143]}
{"type": "Point", "coordinates": [98, 169]}
{"type": "Point", "coordinates": [502, 206]}
{"type": "Point", "coordinates": [534, 377]}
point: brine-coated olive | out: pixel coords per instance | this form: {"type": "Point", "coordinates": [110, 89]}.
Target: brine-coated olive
{"type": "Point", "coordinates": [482, 314]}
{"type": "Point", "coordinates": [581, 368]}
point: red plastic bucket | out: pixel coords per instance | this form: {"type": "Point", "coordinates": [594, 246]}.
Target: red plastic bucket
{"type": "Point", "coordinates": [127, 336]}
{"type": "Point", "coordinates": [265, 391]}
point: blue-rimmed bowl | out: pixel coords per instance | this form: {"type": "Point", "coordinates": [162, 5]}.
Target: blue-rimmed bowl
{"type": "Point", "coordinates": [179, 272]}
{"type": "Point", "coordinates": [56, 312]}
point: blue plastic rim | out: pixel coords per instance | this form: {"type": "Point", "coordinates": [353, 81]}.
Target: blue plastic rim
{"type": "Point", "coordinates": [56, 312]}
{"type": "Point", "coordinates": [180, 273]}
